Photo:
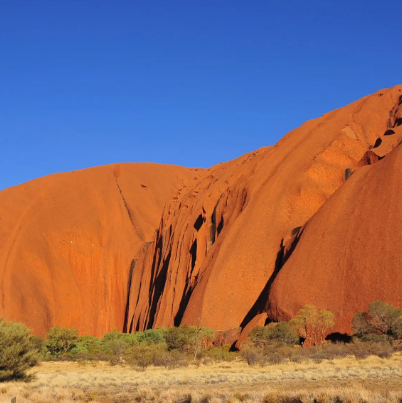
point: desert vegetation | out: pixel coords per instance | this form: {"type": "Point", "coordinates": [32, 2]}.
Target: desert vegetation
{"type": "Point", "coordinates": [18, 351]}
{"type": "Point", "coordinates": [372, 379]}
{"type": "Point", "coordinates": [182, 364]}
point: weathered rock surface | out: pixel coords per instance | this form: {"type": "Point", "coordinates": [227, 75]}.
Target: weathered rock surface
{"type": "Point", "coordinates": [221, 245]}
{"type": "Point", "coordinates": [67, 242]}
{"type": "Point", "coordinates": [349, 253]}
{"type": "Point", "coordinates": [313, 219]}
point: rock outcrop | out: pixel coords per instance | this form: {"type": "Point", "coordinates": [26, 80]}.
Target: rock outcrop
{"type": "Point", "coordinates": [312, 219]}
{"type": "Point", "coordinates": [67, 242]}
{"type": "Point", "coordinates": [221, 246]}
{"type": "Point", "coordinates": [349, 253]}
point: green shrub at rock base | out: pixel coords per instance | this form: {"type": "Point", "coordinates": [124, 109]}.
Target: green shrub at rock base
{"type": "Point", "coordinates": [144, 355]}
{"type": "Point", "coordinates": [380, 323]}
{"type": "Point", "coordinates": [18, 352]}
{"type": "Point", "coordinates": [87, 344]}
{"type": "Point", "coordinates": [187, 339]}
{"type": "Point", "coordinates": [252, 356]}
{"type": "Point", "coordinates": [273, 333]}
{"type": "Point", "coordinates": [151, 336]}
{"type": "Point", "coordinates": [61, 340]}
{"type": "Point", "coordinates": [221, 353]}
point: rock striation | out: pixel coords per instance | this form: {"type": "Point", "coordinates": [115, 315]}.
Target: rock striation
{"type": "Point", "coordinates": [313, 219]}
{"type": "Point", "coordinates": [67, 242]}
{"type": "Point", "coordinates": [218, 255]}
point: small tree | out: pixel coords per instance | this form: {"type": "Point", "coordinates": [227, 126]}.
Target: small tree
{"type": "Point", "coordinates": [201, 335]}
{"type": "Point", "coordinates": [61, 340]}
{"type": "Point", "coordinates": [381, 319]}
{"type": "Point", "coordinates": [18, 353]}
{"type": "Point", "coordinates": [312, 324]}
{"type": "Point", "coordinates": [187, 339]}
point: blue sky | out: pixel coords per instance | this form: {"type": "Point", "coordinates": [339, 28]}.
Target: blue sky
{"type": "Point", "coordinates": [189, 82]}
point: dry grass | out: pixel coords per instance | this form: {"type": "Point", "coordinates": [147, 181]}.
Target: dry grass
{"type": "Point", "coordinates": [344, 380]}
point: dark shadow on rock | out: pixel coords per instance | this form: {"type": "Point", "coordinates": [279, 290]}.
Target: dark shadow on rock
{"type": "Point", "coordinates": [377, 142]}
{"type": "Point", "coordinates": [339, 338]}
{"type": "Point", "coordinates": [130, 278]}
{"type": "Point", "coordinates": [389, 132]}
{"type": "Point", "coordinates": [198, 223]}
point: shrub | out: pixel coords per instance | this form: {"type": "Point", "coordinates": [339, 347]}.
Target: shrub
{"type": "Point", "coordinates": [112, 343]}
{"type": "Point", "coordinates": [361, 354]}
{"type": "Point", "coordinates": [115, 343]}
{"type": "Point", "coordinates": [143, 355]}
{"type": "Point", "coordinates": [274, 358]}
{"type": "Point", "coordinates": [252, 356]}
{"type": "Point", "coordinates": [170, 359]}
{"type": "Point", "coordinates": [99, 356]}
{"type": "Point", "coordinates": [117, 347]}
{"type": "Point", "coordinates": [278, 333]}
{"type": "Point", "coordinates": [179, 338]}
{"type": "Point", "coordinates": [397, 345]}
{"type": "Point", "coordinates": [370, 347]}
{"type": "Point", "coordinates": [221, 353]}
{"type": "Point", "coordinates": [381, 322]}
{"type": "Point", "coordinates": [88, 344]}
{"type": "Point", "coordinates": [385, 354]}
{"type": "Point", "coordinates": [375, 338]}
{"type": "Point", "coordinates": [61, 340]}
{"type": "Point", "coordinates": [297, 359]}
{"type": "Point", "coordinates": [151, 336]}
{"type": "Point", "coordinates": [37, 342]}
{"type": "Point", "coordinates": [338, 349]}
{"type": "Point", "coordinates": [286, 351]}
{"type": "Point", "coordinates": [18, 351]}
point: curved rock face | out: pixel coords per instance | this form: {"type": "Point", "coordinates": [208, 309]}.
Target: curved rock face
{"type": "Point", "coordinates": [221, 245]}
{"type": "Point", "coordinates": [313, 219]}
{"type": "Point", "coordinates": [349, 253]}
{"type": "Point", "coordinates": [67, 242]}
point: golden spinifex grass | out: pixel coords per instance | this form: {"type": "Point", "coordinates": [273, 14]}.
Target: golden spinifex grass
{"type": "Point", "coordinates": [343, 380]}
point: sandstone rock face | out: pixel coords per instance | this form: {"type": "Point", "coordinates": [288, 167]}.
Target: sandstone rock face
{"type": "Point", "coordinates": [312, 219]}
{"type": "Point", "coordinates": [221, 245]}
{"type": "Point", "coordinates": [67, 242]}
{"type": "Point", "coordinates": [349, 253]}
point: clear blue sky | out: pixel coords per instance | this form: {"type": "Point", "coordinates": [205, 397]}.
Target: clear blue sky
{"type": "Point", "coordinates": [189, 82]}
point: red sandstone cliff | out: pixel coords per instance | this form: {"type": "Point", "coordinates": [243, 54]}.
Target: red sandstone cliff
{"type": "Point", "coordinates": [220, 246]}
{"type": "Point", "coordinates": [67, 242]}
{"type": "Point", "coordinates": [349, 252]}
{"type": "Point", "coordinates": [308, 220]}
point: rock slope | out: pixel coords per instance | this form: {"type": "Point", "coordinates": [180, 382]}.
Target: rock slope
{"type": "Point", "coordinates": [221, 245]}
{"type": "Point", "coordinates": [67, 242]}
{"type": "Point", "coordinates": [312, 219]}
{"type": "Point", "coordinates": [349, 252]}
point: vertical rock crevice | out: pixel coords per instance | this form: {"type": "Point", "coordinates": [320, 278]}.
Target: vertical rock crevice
{"type": "Point", "coordinates": [286, 248]}
{"type": "Point", "coordinates": [130, 214]}
{"type": "Point", "coordinates": [158, 288]}
{"type": "Point", "coordinates": [130, 279]}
